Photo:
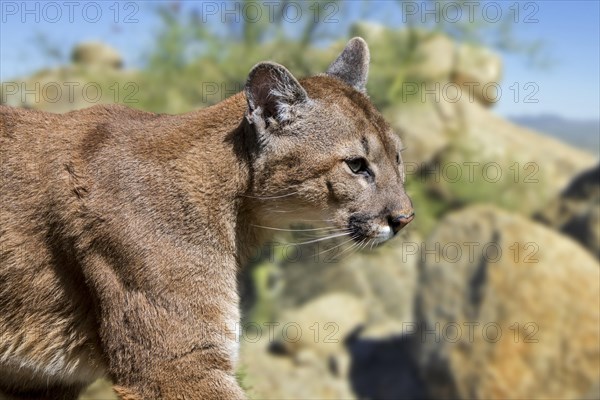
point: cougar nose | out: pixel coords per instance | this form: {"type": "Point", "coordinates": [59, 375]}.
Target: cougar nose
{"type": "Point", "coordinates": [400, 221]}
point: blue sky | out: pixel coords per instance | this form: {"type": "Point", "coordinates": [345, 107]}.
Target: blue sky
{"type": "Point", "coordinates": [569, 29]}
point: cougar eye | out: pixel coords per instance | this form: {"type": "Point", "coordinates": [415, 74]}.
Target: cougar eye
{"type": "Point", "coordinates": [358, 165]}
{"type": "Point", "coordinates": [398, 155]}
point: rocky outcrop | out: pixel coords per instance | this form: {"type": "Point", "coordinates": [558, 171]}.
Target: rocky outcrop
{"type": "Point", "coordinates": [507, 308]}
{"type": "Point", "coordinates": [478, 69]}
{"type": "Point", "coordinates": [576, 212]}
{"type": "Point", "coordinates": [436, 57]}
{"type": "Point", "coordinates": [96, 54]}
{"type": "Point", "coordinates": [440, 106]}
{"type": "Point", "coordinates": [471, 154]}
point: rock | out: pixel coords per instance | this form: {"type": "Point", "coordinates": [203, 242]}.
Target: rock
{"type": "Point", "coordinates": [307, 357]}
{"type": "Point", "coordinates": [269, 376]}
{"type": "Point", "coordinates": [319, 331]}
{"type": "Point", "coordinates": [96, 54]}
{"type": "Point", "coordinates": [507, 308]}
{"type": "Point", "coordinates": [435, 57]}
{"type": "Point", "coordinates": [576, 211]}
{"type": "Point", "coordinates": [480, 70]}
{"type": "Point", "coordinates": [425, 129]}
{"type": "Point", "coordinates": [323, 324]}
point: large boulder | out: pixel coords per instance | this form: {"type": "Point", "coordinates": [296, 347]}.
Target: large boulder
{"type": "Point", "coordinates": [480, 70]}
{"type": "Point", "coordinates": [434, 55]}
{"type": "Point", "coordinates": [425, 129]}
{"type": "Point", "coordinates": [439, 59]}
{"type": "Point", "coordinates": [315, 334]}
{"type": "Point", "coordinates": [576, 212]}
{"type": "Point", "coordinates": [507, 308]}
{"type": "Point", "coordinates": [320, 326]}
{"type": "Point", "coordinates": [271, 376]}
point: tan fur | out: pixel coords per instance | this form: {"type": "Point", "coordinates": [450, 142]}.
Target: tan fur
{"type": "Point", "coordinates": [121, 231]}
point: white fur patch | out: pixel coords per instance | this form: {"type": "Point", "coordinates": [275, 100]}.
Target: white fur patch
{"type": "Point", "coordinates": [233, 326]}
{"type": "Point", "coordinates": [384, 233]}
{"type": "Point", "coordinates": [46, 360]}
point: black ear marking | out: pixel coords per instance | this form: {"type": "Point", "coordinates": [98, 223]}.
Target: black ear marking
{"type": "Point", "coordinates": [271, 92]}
{"type": "Point", "coordinates": [352, 65]}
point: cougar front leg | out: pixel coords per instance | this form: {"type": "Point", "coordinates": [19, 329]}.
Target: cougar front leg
{"type": "Point", "coordinates": [202, 374]}
{"type": "Point", "coordinates": [171, 333]}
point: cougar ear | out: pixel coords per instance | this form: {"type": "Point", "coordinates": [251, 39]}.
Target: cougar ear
{"type": "Point", "coordinates": [352, 65]}
{"type": "Point", "coordinates": [272, 94]}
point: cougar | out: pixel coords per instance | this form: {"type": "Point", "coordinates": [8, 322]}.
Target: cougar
{"type": "Point", "coordinates": [122, 231]}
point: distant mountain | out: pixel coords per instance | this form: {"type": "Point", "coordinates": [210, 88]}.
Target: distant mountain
{"type": "Point", "coordinates": [584, 134]}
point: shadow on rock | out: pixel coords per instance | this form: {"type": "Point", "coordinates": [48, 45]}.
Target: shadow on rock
{"type": "Point", "coordinates": [385, 368]}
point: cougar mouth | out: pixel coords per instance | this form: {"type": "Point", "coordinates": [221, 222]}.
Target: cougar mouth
{"type": "Point", "coordinates": [362, 228]}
